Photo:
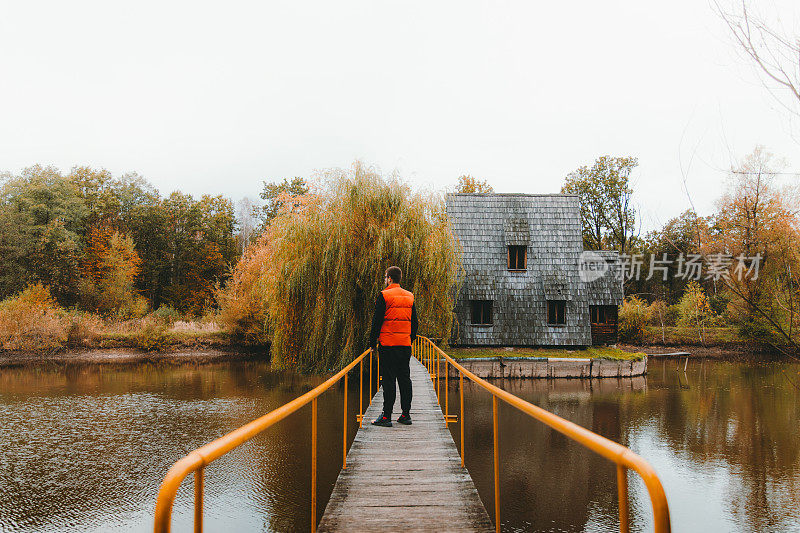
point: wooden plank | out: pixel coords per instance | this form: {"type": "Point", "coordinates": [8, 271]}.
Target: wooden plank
{"type": "Point", "coordinates": [405, 477]}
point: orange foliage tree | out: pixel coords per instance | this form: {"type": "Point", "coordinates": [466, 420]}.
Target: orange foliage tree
{"type": "Point", "coordinates": [759, 217]}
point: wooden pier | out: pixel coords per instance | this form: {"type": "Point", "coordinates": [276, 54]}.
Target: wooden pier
{"type": "Point", "coordinates": [405, 478]}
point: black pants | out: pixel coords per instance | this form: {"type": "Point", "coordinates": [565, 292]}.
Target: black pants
{"type": "Point", "coordinates": [394, 367]}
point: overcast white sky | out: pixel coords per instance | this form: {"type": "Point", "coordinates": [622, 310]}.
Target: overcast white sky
{"type": "Point", "coordinates": [216, 97]}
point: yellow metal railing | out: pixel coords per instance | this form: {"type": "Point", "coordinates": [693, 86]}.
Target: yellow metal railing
{"type": "Point", "coordinates": [197, 460]}
{"type": "Point", "coordinates": [432, 356]}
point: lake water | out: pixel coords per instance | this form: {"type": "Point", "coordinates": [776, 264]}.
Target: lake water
{"type": "Point", "coordinates": [84, 448]}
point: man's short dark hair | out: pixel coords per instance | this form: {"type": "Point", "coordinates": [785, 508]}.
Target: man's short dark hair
{"type": "Point", "coordinates": [394, 273]}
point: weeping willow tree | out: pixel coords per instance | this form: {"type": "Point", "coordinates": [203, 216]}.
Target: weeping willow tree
{"type": "Point", "coordinates": [327, 261]}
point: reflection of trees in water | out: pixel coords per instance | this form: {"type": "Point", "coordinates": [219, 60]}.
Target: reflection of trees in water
{"type": "Point", "coordinates": [745, 415]}
{"type": "Point", "coordinates": [547, 480]}
{"type": "Point", "coordinates": [741, 416]}
{"type": "Point", "coordinates": [90, 444]}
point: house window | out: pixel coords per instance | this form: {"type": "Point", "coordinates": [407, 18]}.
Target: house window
{"type": "Point", "coordinates": [556, 312]}
{"type": "Point", "coordinates": [481, 312]}
{"type": "Point", "coordinates": [517, 257]}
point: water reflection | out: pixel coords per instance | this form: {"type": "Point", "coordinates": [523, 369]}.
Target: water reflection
{"type": "Point", "coordinates": [83, 448]}
{"type": "Point", "coordinates": [722, 436]}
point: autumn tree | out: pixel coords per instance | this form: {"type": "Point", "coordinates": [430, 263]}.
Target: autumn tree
{"type": "Point", "coordinates": [130, 205]}
{"type": "Point", "coordinates": [695, 311]}
{"type": "Point", "coordinates": [469, 184]}
{"type": "Point", "coordinates": [758, 220]}
{"type": "Point", "coordinates": [109, 275]}
{"type": "Point", "coordinates": [275, 195]}
{"type": "Point", "coordinates": [607, 212]}
{"type": "Point", "coordinates": [242, 300]}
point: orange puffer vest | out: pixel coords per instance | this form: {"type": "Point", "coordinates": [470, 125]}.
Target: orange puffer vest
{"type": "Point", "coordinates": [396, 329]}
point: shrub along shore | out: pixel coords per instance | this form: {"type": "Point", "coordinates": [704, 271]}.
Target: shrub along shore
{"type": "Point", "coordinates": [33, 322]}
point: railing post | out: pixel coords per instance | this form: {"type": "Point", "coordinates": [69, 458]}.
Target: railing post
{"type": "Point", "coordinates": [438, 392]}
{"type": "Point", "coordinates": [198, 500]}
{"type": "Point", "coordinates": [430, 361]}
{"type": "Point", "coordinates": [446, 390]}
{"type": "Point", "coordinates": [378, 371]}
{"type": "Point", "coordinates": [370, 374]}
{"type": "Point", "coordinates": [461, 413]}
{"type": "Point", "coordinates": [313, 465]}
{"type": "Point", "coordinates": [428, 358]}
{"type": "Point", "coordinates": [361, 392]}
{"type": "Point", "coordinates": [496, 465]}
{"type": "Point", "coordinates": [622, 493]}
{"type": "Point", "coordinates": [344, 427]}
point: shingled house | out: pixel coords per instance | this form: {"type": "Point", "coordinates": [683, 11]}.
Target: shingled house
{"type": "Point", "coordinates": [522, 285]}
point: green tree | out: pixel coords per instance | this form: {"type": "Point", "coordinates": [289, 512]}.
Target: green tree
{"type": "Point", "coordinates": [200, 248]}
{"type": "Point", "coordinates": [683, 234]}
{"type": "Point", "coordinates": [132, 206]}
{"type": "Point", "coordinates": [274, 194]}
{"type": "Point", "coordinates": [607, 212]}
{"type": "Point", "coordinates": [42, 217]}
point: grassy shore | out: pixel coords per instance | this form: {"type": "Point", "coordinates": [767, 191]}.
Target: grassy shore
{"type": "Point", "coordinates": [595, 352]}
{"type": "Point", "coordinates": [674, 335]}
{"type": "Point", "coordinates": [153, 335]}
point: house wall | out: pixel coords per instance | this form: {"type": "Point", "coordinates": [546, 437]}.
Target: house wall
{"type": "Point", "coordinates": [549, 225]}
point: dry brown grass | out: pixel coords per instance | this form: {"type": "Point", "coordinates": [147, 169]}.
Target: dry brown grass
{"type": "Point", "coordinates": [32, 321]}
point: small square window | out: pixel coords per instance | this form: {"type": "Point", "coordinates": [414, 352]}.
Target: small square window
{"type": "Point", "coordinates": [556, 312]}
{"type": "Point", "coordinates": [481, 312]}
{"type": "Point", "coordinates": [517, 257]}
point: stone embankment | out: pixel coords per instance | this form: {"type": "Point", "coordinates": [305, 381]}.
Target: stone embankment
{"type": "Point", "coordinates": [553, 367]}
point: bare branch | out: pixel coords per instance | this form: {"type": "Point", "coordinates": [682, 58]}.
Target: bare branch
{"type": "Point", "coordinates": [777, 56]}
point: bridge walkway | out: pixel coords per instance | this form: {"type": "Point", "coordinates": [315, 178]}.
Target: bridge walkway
{"type": "Point", "coordinates": [405, 478]}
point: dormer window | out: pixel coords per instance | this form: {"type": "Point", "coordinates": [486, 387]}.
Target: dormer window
{"type": "Point", "coordinates": [517, 257]}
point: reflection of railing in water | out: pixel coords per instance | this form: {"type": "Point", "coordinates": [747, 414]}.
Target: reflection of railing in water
{"type": "Point", "coordinates": [432, 356]}
{"type": "Point", "coordinates": [197, 460]}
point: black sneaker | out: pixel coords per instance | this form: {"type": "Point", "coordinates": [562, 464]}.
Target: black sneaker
{"type": "Point", "coordinates": [404, 419]}
{"type": "Point", "coordinates": [383, 421]}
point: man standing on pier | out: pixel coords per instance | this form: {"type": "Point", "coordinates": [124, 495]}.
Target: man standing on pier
{"type": "Point", "coordinates": [394, 327]}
